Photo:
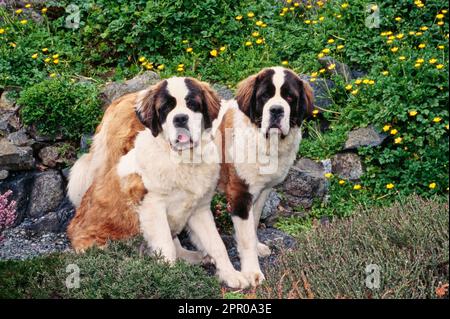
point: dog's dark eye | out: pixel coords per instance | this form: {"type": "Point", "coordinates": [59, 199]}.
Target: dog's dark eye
{"type": "Point", "coordinates": [289, 98]}
{"type": "Point", "coordinates": [266, 96]}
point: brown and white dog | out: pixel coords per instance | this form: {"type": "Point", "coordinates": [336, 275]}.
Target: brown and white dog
{"type": "Point", "coordinates": [261, 137]}
{"type": "Point", "coordinates": [133, 180]}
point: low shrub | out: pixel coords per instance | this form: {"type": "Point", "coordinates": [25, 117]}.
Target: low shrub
{"type": "Point", "coordinates": [61, 107]}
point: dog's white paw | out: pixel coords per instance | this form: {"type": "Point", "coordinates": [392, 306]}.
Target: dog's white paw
{"type": "Point", "coordinates": [233, 279]}
{"type": "Point", "coordinates": [263, 250]}
{"type": "Point", "coordinates": [254, 277]}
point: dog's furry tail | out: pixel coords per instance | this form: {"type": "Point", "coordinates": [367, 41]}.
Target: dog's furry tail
{"type": "Point", "coordinates": [80, 179]}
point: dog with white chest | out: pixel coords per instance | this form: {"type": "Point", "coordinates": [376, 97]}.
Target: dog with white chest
{"type": "Point", "coordinates": [271, 107]}
{"type": "Point", "coordinates": [134, 184]}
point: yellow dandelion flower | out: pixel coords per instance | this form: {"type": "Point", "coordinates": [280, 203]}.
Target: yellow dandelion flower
{"type": "Point", "coordinates": [440, 23]}
{"type": "Point", "coordinates": [149, 66]}
{"type": "Point", "coordinates": [439, 66]}
{"type": "Point", "coordinates": [341, 182]}
{"type": "Point", "coordinates": [444, 11]}
{"type": "Point", "coordinates": [255, 34]}
{"type": "Point", "coordinates": [161, 67]}
{"type": "Point", "coordinates": [222, 48]}
{"type": "Point", "coordinates": [385, 73]}
{"type": "Point", "coordinates": [420, 60]}
{"type": "Point", "coordinates": [250, 14]}
{"type": "Point", "coordinates": [344, 5]}
{"type": "Point", "coordinates": [417, 65]}
{"type": "Point", "coordinates": [412, 113]}
{"type": "Point", "coordinates": [321, 18]}
{"type": "Point", "coordinates": [34, 56]}
{"type": "Point", "coordinates": [55, 56]}
{"type": "Point", "coordinates": [239, 18]}
{"type": "Point", "coordinates": [366, 81]}
{"type": "Point", "coordinates": [411, 32]}
{"type": "Point", "coordinates": [349, 87]}
{"type": "Point", "coordinates": [308, 21]}
{"type": "Point", "coordinates": [440, 16]}
{"type": "Point", "coordinates": [419, 34]}
{"type": "Point", "coordinates": [328, 175]}
{"type": "Point", "coordinates": [320, 55]}
{"type": "Point", "coordinates": [432, 185]}
{"type": "Point", "coordinates": [358, 81]}
{"type": "Point", "coordinates": [446, 127]}
{"type": "Point", "coordinates": [213, 52]}
{"type": "Point", "coordinates": [330, 41]}
{"type": "Point", "coordinates": [441, 47]}
{"type": "Point", "coordinates": [248, 43]}
{"type": "Point", "coordinates": [393, 131]}
{"type": "Point", "coordinates": [12, 44]}
{"type": "Point", "coordinates": [402, 58]}
{"type": "Point", "coordinates": [44, 10]}
{"type": "Point", "coordinates": [398, 140]}
{"type": "Point", "coordinates": [56, 61]}
{"type": "Point", "coordinates": [189, 50]}
{"type": "Point", "coordinates": [422, 45]}
{"type": "Point", "coordinates": [19, 11]}
{"type": "Point", "coordinates": [180, 69]}
{"type": "Point", "coordinates": [52, 75]}
{"type": "Point", "coordinates": [259, 23]}
{"type": "Point", "coordinates": [357, 187]}
{"type": "Point", "coordinates": [400, 36]}
{"type": "Point", "coordinates": [394, 49]}
{"type": "Point", "coordinates": [398, 19]}
{"type": "Point", "coordinates": [340, 47]}
{"type": "Point", "coordinates": [322, 71]}
{"type": "Point", "coordinates": [314, 74]}
{"type": "Point", "coordinates": [315, 112]}
{"type": "Point", "coordinates": [259, 41]}
{"type": "Point", "coordinates": [437, 119]}
{"type": "Point", "coordinates": [332, 66]}
{"type": "Point", "coordinates": [142, 59]}
{"type": "Point", "coordinates": [285, 62]}
{"type": "Point", "coordinates": [432, 61]}
{"type": "Point", "coordinates": [386, 128]}
{"type": "Point", "coordinates": [44, 50]}
{"type": "Point", "coordinates": [296, 4]}
{"type": "Point", "coordinates": [390, 186]}
{"type": "Point", "coordinates": [47, 60]}
{"type": "Point", "coordinates": [264, 25]}
{"type": "Point", "coordinates": [2, 30]}
{"type": "Point", "coordinates": [24, 21]}
{"type": "Point", "coordinates": [354, 92]}
{"type": "Point", "coordinates": [326, 51]}
{"type": "Point", "coordinates": [28, 5]}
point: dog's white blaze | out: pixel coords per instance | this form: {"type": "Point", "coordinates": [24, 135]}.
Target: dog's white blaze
{"type": "Point", "coordinates": [177, 88]}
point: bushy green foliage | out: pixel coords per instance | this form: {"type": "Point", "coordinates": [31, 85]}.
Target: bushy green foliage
{"type": "Point", "coordinates": [409, 242]}
{"type": "Point", "coordinates": [61, 107]}
{"type": "Point", "coordinates": [117, 272]}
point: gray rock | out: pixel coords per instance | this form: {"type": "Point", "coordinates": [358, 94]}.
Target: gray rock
{"type": "Point", "coordinates": [114, 90]}
{"type": "Point", "coordinates": [47, 193]}
{"type": "Point", "coordinates": [20, 184]}
{"type": "Point", "coordinates": [3, 174]}
{"type": "Point", "coordinates": [365, 136]}
{"type": "Point", "coordinates": [304, 184]}
{"type": "Point", "coordinates": [9, 122]}
{"type": "Point", "coordinates": [65, 173]}
{"type": "Point", "coordinates": [271, 206]}
{"type": "Point", "coordinates": [20, 138]}
{"type": "Point", "coordinates": [49, 156]}
{"type": "Point", "coordinates": [347, 166]}
{"type": "Point", "coordinates": [6, 104]}
{"type": "Point", "coordinates": [321, 88]}
{"type": "Point", "coordinates": [14, 158]}
{"type": "Point", "coordinates": [341, 69]}
{"type": "Point", "coordinates": [223, 91]}
{"type": "Point", "coordinates": [54, 222]}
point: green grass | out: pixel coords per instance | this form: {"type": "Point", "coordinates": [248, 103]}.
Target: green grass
{"type": "Point", "coordinates": [409, 241]}
{"type": "Point", "coordinates": [117, 272]}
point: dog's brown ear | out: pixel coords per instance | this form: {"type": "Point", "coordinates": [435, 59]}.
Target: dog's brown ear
{"type": "Point", "coordinates": [308, 98]}
{"type": "Point", "coordinates": [146, 109]}
{"type": "Point", "coordinates": [245, 95]}
{"type": "Point", "coordinates": [211, 102]}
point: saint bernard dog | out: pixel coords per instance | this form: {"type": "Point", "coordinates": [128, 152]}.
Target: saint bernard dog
{"type": "Point", "coordinates": [133, 180]}
{"type": "Point", "coordinates": [264, 127]}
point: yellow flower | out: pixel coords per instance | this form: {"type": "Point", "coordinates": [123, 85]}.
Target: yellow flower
{"type": "Point", "coordinates": [440, 16]}
{"type": "Point", "coordinates": [313, 79]}
{"type": "Point", "coordinates": [2, 30]}
{"type": "Point", "coordinates": [357, 187]}
{"type": "Point", "coordinates": [260, 41]}
{"type": "Point", "coordinates": [56, 61]}
{"type": "Point", "coordinates": [432, 61]}
{"type": "Point", "coordinates": [34, 56]}
{"type": "Point", "coordinates": [358, 81]}
{"type": "Point", "coordinates": [238, 18]}
{"type": "Point", "coordinates": [340, 47]}
{"type": "Point", "coordinates": [420, 60]}
{"type": "Point", "coordinates": [250, 14]}
{"type": "Point", "coordinates": [398, 19]}
{"type": "Point", "coordinates": [411, 33]}
{"type": "Point", "coordinates": [422, 45]}
{"type": "Point", "coordinates": [424, 28]}
{"type": "Point", "coordinates": [149, 66]}
{"type": "Point", "coordinates": [332, 66]}
{"type": "Point", "coordinates": [413, 113]}
{"type": "Point", "coordinates": [285, 62]}
{"type": "Point", "coordinates": [441, 47]}
{"type": "Point", "coordinates": [348, 87]}
{"type": "Point", "coordinates": [391, 37]}
{"type": "Point", "coordinates": [307, 21]}
{"type": "Point", "coordinates": [28, 6]}
{"type": "Point", "coordinates": [417, 65]}
{"type": "Point", "coordinates": [371, 82]}
{"type": "Point", "coordinates": [47, 60]}
{"type": "Point", "coordinates": [440, 23]}
{"type": "Point", "coordinates": [439, 66]}
{"type": "Point", "coordinates": [330, 41]}
{"type": "Point", "coordinates": [432, 185]}
{"type": "Point", "coordinates": [402, 58]}
{"type": "Point", "coordinates": [320, 55]}
{"type": "Point", "coordinates": [19, 11]}
{"type": "Point", "coordinates": [248, 43]}
{"type": "Point", "coordinates": [259, 23]}
{"type": "Point", "coordinates": [320, 3]}
{"type": "Point", "coordinates": [285, 9]}
{"type": "Point", "coordinates": [354, 92]}
{"type": "Point", "coordinates": [322, 71]}
{"type": "Point", "coordinates": [185, 41]}
{"type": "Point", "coordinates": [12, 44]}
{"type": "Point", "coordinates": [222, 48]}
{"type": "Point", "coordinates": [446, 127]}
{"type": "Point", "coordinates": [315, 112]}
{"type": "Point", "coordinates": [339, 16]}
{"type": "Point", "coordinates": [180, 69]}
{"type": "Point", "coordinates": [366, 81]}
{"type": "Point", "coordinates": [142, 59]}
{"type": "Point", "coordinates": [161, 67]}
{"type": "Point", "coordinates": [45, 50]}
{"type": "Point", "coordinates": [390, 186]}
{"type": "Point", "coordinates": [264, 25]}
{"type": "Point", "coordinates": [255, 34]}
{"type": "Point", "coordinates": [419, 34]}
{"type": "Point", "coordinates": [326, 50]}
{"type": "Point", "coordinates": [393, 131]}
{"type": "Point", "coordinates": [398, 140]}
{"type": "Point", "coordinates": [344, 5]}
{"type": "Point", "coordinates": [213, 52]}
{"type": "Point", "coordinates": [181, 65]}
{"type": "Point", "coordinates": [386, 128]}
{"type": "Point", "coordinates": [321, 18]}
{"type": "Point", "coordinates": [296, 4]}
{"type": "Point", "coordinates": [385, 73]}
{"type": "Point", "coordinates": [341, 182]}
{"type": "Point", "coordinates": [23, 21]}
{"type": "Point", "coordinates": [444, 11]}
{"type": "Point", "coordinates": [328, 175]}
{"type": "Point", "coordinates": [437, 119]}
{"type": "Point", "coordinates": [55, 56]}
{"type": "Point", "coordinates": [44, 10]}
{"type": "Point", "coordinates": [400, 36]}
{"type": "Point", "coordinates": [52, 75]}
{"type": "Point", "coordinates": [189, 50]}
{"type": "Point", "coordinates": [314, 74]}
{"type": "Point", "coordinates": [394, 49]}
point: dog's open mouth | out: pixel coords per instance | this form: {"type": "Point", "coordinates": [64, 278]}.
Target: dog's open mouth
{"type": "Point", "coordinates": [183, 141]}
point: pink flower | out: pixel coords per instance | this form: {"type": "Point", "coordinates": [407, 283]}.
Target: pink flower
{"type": "Point", "coordinates": [8, 211]}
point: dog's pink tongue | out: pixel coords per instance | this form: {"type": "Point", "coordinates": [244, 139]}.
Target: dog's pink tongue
{"type": "Point", "coordinates": [183, 138]}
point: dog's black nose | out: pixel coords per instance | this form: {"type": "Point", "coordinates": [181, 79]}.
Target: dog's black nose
{"type": "Point", "coordinates": [180, 120]}
{"type": "Point", "coordinates": [276, 111]}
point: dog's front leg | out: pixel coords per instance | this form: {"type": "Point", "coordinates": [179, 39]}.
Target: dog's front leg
{"type": "Point", "coordinates": [155, 228]}
{"type": "Point", "coordinates": [203, 229]}
{"type": "Point", "coordinates": [263, 250]}
{"type": "Point", "coordinates": [245, 233]}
